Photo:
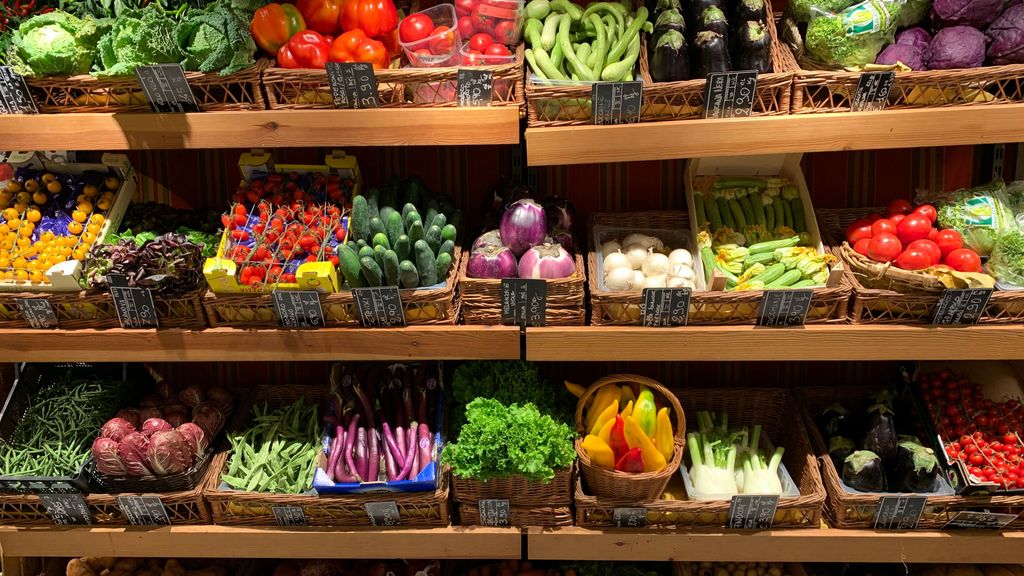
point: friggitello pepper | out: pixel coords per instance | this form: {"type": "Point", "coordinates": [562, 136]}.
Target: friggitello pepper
{"type": "Point", "coordinates": [306, 49]}
{"type": "Point", "coordinates": [646, 412]}
{"type": "Point", "coordinates": [274, 24]}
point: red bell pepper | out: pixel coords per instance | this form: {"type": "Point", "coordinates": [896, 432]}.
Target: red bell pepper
{"type": "Point", "coordinates": [274, 24]}
{"type": "Point", "coordinates": [375, 17]}
{"type": "Point", "coordinates": [321, 15]}
{"type": "Point", "coordinates": [306, 49]}
{"type": "Point", "coordinates": [632, 461]}
{"type": "Point", "coordinates": [354, 46]}
{"type": "Point", "coordinates": [618, 437]}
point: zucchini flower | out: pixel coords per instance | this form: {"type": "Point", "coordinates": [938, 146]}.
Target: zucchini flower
{"type": "Point", "coordinates": [730, 258]}
{"type": "Point", "coordinates": [754, 270]}
{"type": "Point", "coordinates": [790, 192]}
{"type": "Point", "coordinates": [726, 236]}
{"type": "Point", "coordinates": [755, 233]}
{"type": "Point", "coordinates": [784, 232]}
{"type": "Point", "coordinates": [821, 276]}
{"type": "Point", "coordinates": [750, 285]}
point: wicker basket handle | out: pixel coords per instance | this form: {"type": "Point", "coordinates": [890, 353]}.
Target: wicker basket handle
{"type": "Point", "coordinates": [654, 385]}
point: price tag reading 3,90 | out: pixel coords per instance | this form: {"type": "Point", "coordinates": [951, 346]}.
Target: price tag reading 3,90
{"type": "Point", "coordinates": [353, 84]}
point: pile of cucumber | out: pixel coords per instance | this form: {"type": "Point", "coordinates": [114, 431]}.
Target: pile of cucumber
{"type": "Point", "coordinates": [399, 235]}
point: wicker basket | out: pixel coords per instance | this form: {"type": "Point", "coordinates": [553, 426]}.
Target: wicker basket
{"type": "Point", "coordinates": [683, 569]}
{"type": "Point", "coordinates": [519, 491]}
{"type": "Point", "coordinates": [821, 91]}
{"type": "Point", "coordinates": [481, 298]}
{"type": "Point", "coordinates": [884, 294]}
{"type": "Point", "coordinates": [846, 510]}
{"type": "Point", "coordinates": [469, 515]}
{"type": "Point", "coordinates": [85, 93]}
{"type": "Point", "coordinates": [396, 88]}
{"type": "Point", "coordinates": [95, 309]}
{"type": "Point", "coordinates": [774, 409]}
{"type": "Point", "coordinates": [684, 100]}
{"type": "Point", "coordinates": [241, 508]}
{"type": "Point", "coordinates": [421, 306]}
{"type": "Point", "coordinates": [623, 485]}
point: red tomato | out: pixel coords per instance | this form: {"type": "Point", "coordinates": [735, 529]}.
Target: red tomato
{"type": "Point", "coordinates": [913, 227]}
{"type": "Point", "coordinates": [472, 58]}
{"type": "Point", "coordinates": [928, 211]}
{"type": "Point", "coordinates": [861, 247]}
{"type": "Point", "coordinates": [884, 247]}
{"type": "Point", "coordinates": [883, 225]}
{"type": "Point", "coordinates": [497, 50]}
{"type": "Point", "coordinates": [913, 259]}
{"type": "Point", "coordinates": [481, 21]}
{"type": "Point", "coordinates": [897, 218]}
{"type": "Point", "coordinates": [442, 40]}
{"type": "Point", "coordinates": [873, 216]}
{"type": "Point", "coordinates": [505, 31]}
{"type": "Point", "coordinates": [480, 41]}
{"type": "Point", "coordinates": [415, 27]}
{"type": "Point", "coordinates": [948, 240]}
{"type": "Point", "coordinates": [928, 247]}
{"type": "Point", "coordinates": [857, 230]}
{"type": "Point", "coordinates": [964, 260]}
{"type": "Point", "coordinates": [933, 234]}
{"type": "Point", "coordinates": [464, 7]}
{"type": "Point", "coordinates": [465, 26]}
{"type": "Point", "coordinates": [899, 206]}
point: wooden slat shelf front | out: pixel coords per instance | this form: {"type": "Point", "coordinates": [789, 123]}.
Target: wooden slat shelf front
{"type": "Point", "coordinates": [775, 134]}
{"type": "Point", "coordinates": [813, 342]}
{"type": "Point", "coordinates": [262, 542]}
{"type": "Point", "coordinates": [262, 128]}
{"type": "Point", "coordinates": [820, 545]}
{"type": "Point", "coordinates": [227, 344]}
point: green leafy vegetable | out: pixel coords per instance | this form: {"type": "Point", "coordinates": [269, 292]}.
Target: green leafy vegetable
{"type": "Point", "coordinates": [801, 10]}
{"type": "Point", "coordinates": [979, 214]}
{"type": "Point", "coordinates": [139, 38]}
{"type": "Point", "coordinates": [1007, 260]}
{"type": "Point", "coordinates": [499, 441]}
{"type": "Point", "coordinates": [55, 44]}
{"type": "Point", "coordinates": [216, 39]}
{"type": "Point", "coordinates": [853, 37]}
{"type": "Point", "coordinates": [507, 382]}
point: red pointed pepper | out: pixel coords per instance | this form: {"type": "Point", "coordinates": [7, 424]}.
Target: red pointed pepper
{"type": "Point", "coordinates": [618, 438]}
{"type": "Point", "coordinates": [631, 461]}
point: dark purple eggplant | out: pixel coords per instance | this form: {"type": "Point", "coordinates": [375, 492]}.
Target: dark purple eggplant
{"type": "Point", "coordinates": [713, 19]}
{"type": "Point", "coordinates": [697, 7]}
{"type": "Point", "coordinates": [670, 61]}
{"type": "Point", "coordinates": [839, 447]}
{"type": "Point", "coordinates": [880, 431]}
{"type": "Point", "coordinates": [710, 54]}
{"type": "Point", "coordinates": [835, 421]}
{"type": "Point", "coordinates": [748, 10]}
{"type": "Point", "coordinates": [863, 471]}
{"type": "Point", "coordinates": [752, 48]}
{"type": "Point", "coordinates": [668, 20]}
{"type": "Point", "coordinates": [916, 466]}
{"type": "Point", "coordinates": [663, 5]}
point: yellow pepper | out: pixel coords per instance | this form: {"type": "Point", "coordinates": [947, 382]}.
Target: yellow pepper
{"type": "Point", "coordinates": [606, 416]}
{"type": "Point", "coordinates": [646, 412]}
{"type": "Point", "coordinates": [599, 451]}
{"type": "Point", "coordinates": [575, 389]}
{"type": "Point", "coordinates": [602, 399]}
{"type": "Point", "coordinates": [627, 395]}
{"type": "Point", "coordinates": [606, 431]}
{"type": "Point", "coordinates": [663, 437]}
{"type": "Point", "coordinates": [628, 410]}
{"type": "Point", "coordinates": [637, 438]}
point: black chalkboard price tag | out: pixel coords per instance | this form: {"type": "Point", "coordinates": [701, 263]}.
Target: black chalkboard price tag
{"type": "Point", "coordinates": [353, 84]}
{"type": "Point", "coordinates": [379, 307]}
{"type": "Point", "coordinates": [784, 307]}
{"type": "Point", "coordinates": [15, 97]}
{"type": "Point", "coordinates": [629, 517]}
{"type": "Point", "coordinates": [383, 513]}
{"type": "Point", "coordinates": [730, 94]}
{"type": "Point", "coordinates": [66, 509]}
{"type": "Point", "coordinates": [37, 312]}
{"type": "Point", "coordinates": [979, 520]}
{"type": "Point", "coordinates": [752, 512]}
{"type": "Point", "coordinates": [524, 301]}
{"type": "Point", "coordinates": [298, 308]}
{"type": "Point", "coordinates": [899, 512]}
{"type": "Point", "coordinates": [872, 91]}
{"type": "Point", "coordinates": [135, 306]}
{"type": "Point", "coordinates": [961, 306]}
{"type": "Point", "coordinates": [494, 512]}
{"type": "Point", "coordinates": [665, 306]}
{"type": "Point", "coordinates": [475, 87]}
{"type": "Point", "coordinates": [616, 102]}
{"type": "Point", "coordinates": [166, 88]}
{"type": "Point", "coordinates": [289, 516]}
{"type": "Point", "coordinates": [144, 510]}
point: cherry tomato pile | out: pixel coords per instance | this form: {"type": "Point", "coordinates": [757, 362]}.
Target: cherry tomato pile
{"type": "Point", "coordinates": [909, 239]}
{"type": "Point", "coordinates": [278, 188]}
{"type": "Point", "coordinates": [499, 20]}
{"type": "Point", "coordinates": [979, 432]}
{"type": "Point", "coordinates": [426, 42]}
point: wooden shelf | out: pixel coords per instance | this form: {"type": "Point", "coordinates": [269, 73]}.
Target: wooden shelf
{"type": "Point", "coordinates": [260, 542]}
{"type": "Point", "coordinates": [775, 134]}
{"type": "Point", "coordinates": [227, 344]}
{"type": "Point", "coordinates": [813, 342]}
{"type": "Point", "coordinates": [822, 545]}
{"type": "Point", "coordinates": [262, 129]}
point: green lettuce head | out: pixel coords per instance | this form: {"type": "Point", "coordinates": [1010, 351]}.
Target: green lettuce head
{"type": "Point", "coordinates": [56, 44]}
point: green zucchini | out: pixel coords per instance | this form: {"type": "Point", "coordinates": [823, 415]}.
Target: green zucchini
{"type": "Point", "coordinates": [796, 206]}
{"type": "Point", "coordinates": [783, 281]}
{"type": "Point", "coordinates": [748, 210]}
{"type": "Point", "coordinates": [723, 183]}
{"type": "Point", "coordinates": [711, 208]}
{"type": "Point", "coordinates": [698, 208]}
{"type": "Point", "coordinates": [771, 273]}
{"type": "Point", "coordinates": [725, 212]}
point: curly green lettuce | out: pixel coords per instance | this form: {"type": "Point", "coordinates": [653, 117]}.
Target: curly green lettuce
{"type": "Point", "coordinates": [979, 214]}
{"type": "Point", "coordinates": [853, 37]}
{"type": "Point", "coordinates": [507, 382]}
{"type": "Point", "coordinates": [55, 44]}
{"type": "Point", "coordinates": [139, 38]}
{"type": "Point", "coordinates": [1007, 260]}
{"type": "Point", "coordinates": [216, 39]}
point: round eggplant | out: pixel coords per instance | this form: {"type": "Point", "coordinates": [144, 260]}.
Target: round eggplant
{"type": "Point", "coordinates": [863, 472]}
{"type": "Point", "coordinates": [713, 19]}
{"type": "Point", "coordinates": [710, 54]}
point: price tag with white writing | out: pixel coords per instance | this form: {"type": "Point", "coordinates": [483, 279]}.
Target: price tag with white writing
{"type": "Point", "coordinates": [353, 84]}
{"type": "Point", "coordinates": [37, 312]}
{"type": "Point", "coordinates": [616, 102]}
{"type": "Point", "coordinates": [784, 307]}
{"type": "Point", "coordinates": [979, 520]}
{"type": "Point", "coordinates": [383, 513]}
{"type": "Point", "coordinates": [289, 516]}
{"type": "Point", "coordinates": [135, 306]}
{"type": "Point", "coordinates": [475, 87]}
{"type": "Point", "coordinates": [15, 97]}
{"type": "Point", "coordinates": [665, 306]}
{"type": "Point", "coordinates": [66, 509]}
{"type": "Point", "coordinates": [524, 301]}
{"type": "Point", "coordinates": [298, 308]}
{"type": "Point", "coordinates": [144, 510]}
{"type": "Point", "coordinates": [494, 512]}
{"type": "Point", "coordinates": [752, 512]}
{"type": "Point", "coordinates": [379, 307]}
{"type": "Point", "coordinates": [872, 91]}
{"type": "Point", "coordinates": [166, 88]}
{"type": "Point", "coordinates": [629, 517]}
{"type": "Point", "coordinates": [899, 512]}
{"type": "Point", "coordinates": [730, 94]}
{"type": "Point", "coordinates": [961, 306]}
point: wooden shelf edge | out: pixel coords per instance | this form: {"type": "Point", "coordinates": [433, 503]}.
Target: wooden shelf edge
{"type": "Point", "coordinates": [811, 545]}
{"type": "Point", "coordinates": [812, 342]}
{"type": "Point", "coordinates": [262, 128]}
{"type": "Point", "coordinates": [775, 134]}
{"type": "Point", "coordinates": [454, 542]}
{"type": "Point", "coordinates": [228, 344]}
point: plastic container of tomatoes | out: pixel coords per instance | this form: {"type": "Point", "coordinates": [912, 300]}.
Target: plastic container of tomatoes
{"type": "Point", "coordinates": [430, 38]}
{"type": "Point", "coordinates": [500, 19]}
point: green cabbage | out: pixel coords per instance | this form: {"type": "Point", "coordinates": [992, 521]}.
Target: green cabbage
{"type": "Point", "coordinates": [216, 39]}
{"type": "Point", "coordinates": [55, 44]}
{"type": "Point", "coordinates": [139, 38]}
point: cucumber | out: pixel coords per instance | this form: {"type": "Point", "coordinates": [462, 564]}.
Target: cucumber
{"type": "Point", "coordinates": [409, 207]}
{"type": "Point", "coordinates": [433, 209]}
{"type": "Point", "coordinates": [408, 276]}
{"type": "Point", "coordinates": [371, 271]}
{"type": "Point", "coordinates": [394, 226]}
{"type": "Point", "coordinates": [426, 264]}
{"type": "Point", "coordinates": [360, 243]}
{"type": "Point", "coordinates": [371, 202]}
{"type": "Point", "coordinates": [348, 265]}
{"type": "Point", "coordinates": [403, 247]}
{"type": "Point", "coordinates": [444, 262]}
{"type": "Point", "coordinates": [440, 220]}
{"type": "Point", "coordinates": [381, 239]}
{"type": "Point", "coordinates": [376, 227]}
{"type": "Point", "coordinates": [360, 218]}
{"type": "Point", "coordinates": [411, 218]}
{"type": "Point", "coordinates": [378, 256]}
{"type": "Point", "coordinates": [433, 238]}
{"type": "Point", "coordinates": [448, 232]}
{"type": "Point", "coordinates": [447, 247]}
{"type": "Point", "coordinates": [385, 214]}
{"type": "Point", "coordinates": [391, 275]}
{"type": "Point", "coordinates": [366, 251]}
{"type": "Point", "coordinates": [416, 232]}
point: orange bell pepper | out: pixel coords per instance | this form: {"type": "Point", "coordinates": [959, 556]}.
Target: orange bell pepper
{"type": "Point", "coordinates": [274, 24]}
{"type": "Point", "coordinates": [375, 17]}
{"type": "Point", "coordinates": [354, 46]}
{"type": "Point", "coordinates": [321, 15]}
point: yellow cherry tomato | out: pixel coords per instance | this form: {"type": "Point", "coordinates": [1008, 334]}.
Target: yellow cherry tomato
{"type": "Point", "coordinates": [111, 183]}
{"type": "Point", "coordinates": [40, 198]}
{"type": "Point", "coordinates": [49, 177]}
{"type": "Point", "coordinates": [93, 228]}
{"type": "Point", "coordinates": [75, 226]}
{"type": "Point", "coordinates": [6, 195]}
{"type": "Point", "coordinates": [7, 243]}
{"type": "Point", "coordinates": [79, 217]}
{"type": "Point", "coordinates": [53, 187]}
{"type": "Point", "coordinates": [97, 218]}
{"type": "Point", "coordinates": [20, 262]}
{"type": "Point", "coordinates": [36, 277]}
{"type": "Point", "coordinates": [26, 229]}
{"type": "Point", "coordinates": [90, 191]}
{"type": "Point", "coordinates": [24, 242]}
{"type": "Point", "coordinates": [88, 238]}
{"type": "Point", "coordinates": [65, 251]}
{"type": "Point", "coordinates": [23, 198]}
{"type": "Point", "coordinates": [85, 207]}
{"type": "Point", "coordinates": [46, 236]}
{"type": "Point", "coordinates": [103, 204]}
{"type": "Point", "coordinates": [33, 215]}
{"type": "Point", "coordinates": [14, 223]}
{"type": "Point", "coordinates": [14, 186]}
{"type": "Point", "coordinates": [10, 213]}
{"type": "Point", "coordinates": [78, 254]}
{"type": "Point", "coordinates": [5, 262]}
{"type": "Point", "coordinates": [31, 185]}
{"type": "Point", "coordinates": [4, 229]}
{"type": "Point", "coordinates": [20, 275]}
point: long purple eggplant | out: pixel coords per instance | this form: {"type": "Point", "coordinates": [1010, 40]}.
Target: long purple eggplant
{"type": "Point", "coordinates": [424, 445]}
{"type": "Point", "coordinates": [403, 439]}
{"type": "Point", "coordinates": [350, 441]}
{"type": "Point", "coordinates": [400, 441]}
{"type": "Point", "coordinates": [421, 402]}
{"type": "Point", "coordinates": [335, 453]}
{"type": "Point", "coordinates": [389, 463]}
{"type": "Point", "coordinates": [389, 441]}
{"type": "Point", "coordinates": [407, 404]}
{"type": "Point", "coordinates": [411, 450]}
{"type": "Point", "coordinates": [365, 403]}
{"type": "Point", "coordinates": [373, 471]}
{"type": "Point", "coordinates": [361, 457]}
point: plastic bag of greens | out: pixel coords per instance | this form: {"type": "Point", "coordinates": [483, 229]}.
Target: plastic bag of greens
{"type": "Point", "coordinates": [853, 37]}
{"type": "Point", "coordinates": [979, 214]}
{"type": "Point", "coordinates": [1015, 201]}
{"type": "Point", "coordinates": [801, 10]}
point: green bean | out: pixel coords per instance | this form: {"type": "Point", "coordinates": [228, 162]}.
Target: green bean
{"type": "Point", "coordinates": [276, 454]}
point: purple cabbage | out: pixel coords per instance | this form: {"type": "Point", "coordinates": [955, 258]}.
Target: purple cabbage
{"type": "Point", "coordinates": [976, 13]}
{"type": "Point", "coordinates": [524, 224]}
{"type": "Point", "coordinates": [1006, 35]}
{"type": "Point", "coordinates": [909, 55]}
{"type": "Point", "coordinates": [957, 47]}
{"type": "Point", "coordinates": [547, 261]}
{"type": "Point", "coordinates": [492, 262]}
{"type": "Point", "coordinates": [917, 36]}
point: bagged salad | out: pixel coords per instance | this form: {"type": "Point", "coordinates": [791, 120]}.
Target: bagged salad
{"type": "Point", "coordinates": [853, 36]}
{"type": "Point", "coordinates": [980, 214]}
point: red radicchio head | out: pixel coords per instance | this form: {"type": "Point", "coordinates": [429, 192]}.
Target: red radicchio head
{"type": "Point", "coordinates": [131, 415]}
{"type": "Point", "coordinates": [191, 396]}
{"type": "Point", "coordinates": [195, 437]}
{"type": "Point", "coordinates": [133, 451]}
{"type": "Point", "coordinates": [104, 451]}
{"type": "Point", "coordinates": [169, 453]}
{"type": "Point", "coordinates": [116, 429]}
{"type": "Point", "coordinates": [153, 425]}
{"type": "Point", "coordinates": [209, 417]}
